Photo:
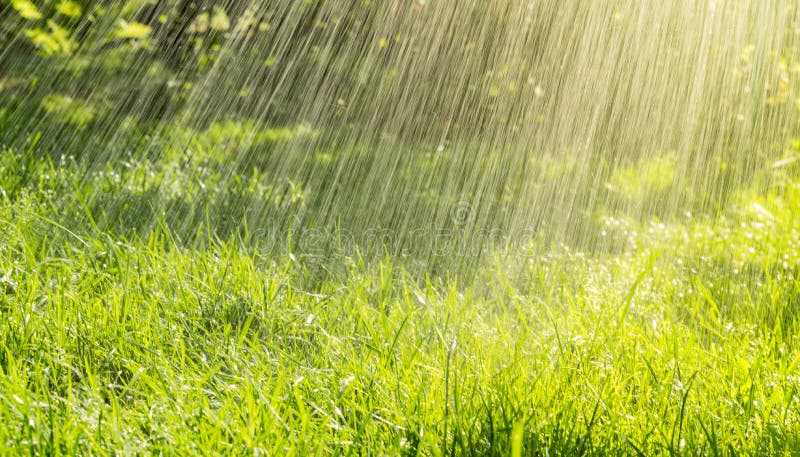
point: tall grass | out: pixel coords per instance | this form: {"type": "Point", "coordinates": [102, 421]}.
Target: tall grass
{"type": "Point", "coordinates": [681, 342]}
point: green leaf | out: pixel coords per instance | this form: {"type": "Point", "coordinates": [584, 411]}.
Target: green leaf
{"type": "Point", "coordinates": [132, 30]}
{"type": "Point", "coordinates": [56, 41]}
{"type": "Point", "coordinates": [220, 20]}
{"type": "Point", "coordinates": [26, 9]}
{"type": "Point", "coordinates": [69, 9]}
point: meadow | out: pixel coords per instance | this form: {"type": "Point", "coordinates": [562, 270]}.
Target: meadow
{"type": "Point", "coordinates": [679, 339]}
{"type": "Point", "coordinates": [389, 227]}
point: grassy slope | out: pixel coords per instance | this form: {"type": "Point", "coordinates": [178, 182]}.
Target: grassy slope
{"type": "Point", "coordinates": [685, 342]}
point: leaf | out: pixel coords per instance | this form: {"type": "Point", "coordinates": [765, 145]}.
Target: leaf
{"type": "Point", "coordinates": [69, 8]}
{"type": "Point", "coordinates": [220, 20]}
{"type": "Point", "coordinates": [26, 9]}
{"type": "Point", "coordinates": [55, 42]}
{"type": "Point", "coordinates": [200, 24]}
{"type": "Point", "coordinates": [132, 30]}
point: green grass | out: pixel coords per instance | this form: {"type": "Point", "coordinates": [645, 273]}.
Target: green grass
{"type": "Point", "coordinates": [260, 238]}
{"type": "Point", "coordinates": [683, 340]}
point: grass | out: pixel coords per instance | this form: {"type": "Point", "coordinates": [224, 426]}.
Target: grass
{"type": "Point", "coordinates": [680, 341]}
{"type": "Point", "coordinates": [202, 252]}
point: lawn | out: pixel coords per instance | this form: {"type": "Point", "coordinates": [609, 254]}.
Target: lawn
{"type": "Point", "coordinates": [679, 338]}
{"type": "Point", "coordinates": [400, 227]}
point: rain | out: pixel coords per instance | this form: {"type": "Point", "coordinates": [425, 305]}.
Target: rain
{"type": "Point", "coordinates": [400, 227]}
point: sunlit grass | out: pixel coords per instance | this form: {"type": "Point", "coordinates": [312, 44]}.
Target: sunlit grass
{"type": "Point", "coordinates": [683, 340]}
{"type": "Point", "coordinates": [526, 228]}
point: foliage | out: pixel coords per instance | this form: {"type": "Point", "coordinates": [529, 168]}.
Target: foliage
{"type": "Point", "coordinates": [206, 250]}
{"type": "Point", "coordinates": [682, 343]}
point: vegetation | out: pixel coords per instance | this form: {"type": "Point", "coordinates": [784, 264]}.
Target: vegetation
{"type": "Point", "coordinates": [683, 342]}
{"type": "Point", "coordinates": [214, 245]}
